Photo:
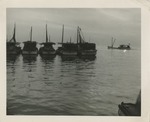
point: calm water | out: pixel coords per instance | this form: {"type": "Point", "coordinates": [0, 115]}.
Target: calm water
{"type": "Point", "coordinates": [73, 86]}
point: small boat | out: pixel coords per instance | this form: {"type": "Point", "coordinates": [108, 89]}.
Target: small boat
{"type": "Point", "coordinates": [13, 47]}
{"type": "Point", "coordinates": [85, 48]}
{"type": "Point", "coordinates": [68, 48]}
{"type": "Point", "coordinates": [130, 109]}
{"type": "Point", "coordinates": [30, 46]}
{"type": "Point", "coordinates": [47, 48]}
{"type": "Point", "coordinates": [121, 47]}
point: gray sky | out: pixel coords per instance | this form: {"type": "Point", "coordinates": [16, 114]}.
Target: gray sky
{"type": "Point", "coordinates": [98, 25]}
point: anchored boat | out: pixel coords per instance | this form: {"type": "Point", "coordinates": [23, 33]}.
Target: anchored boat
{"type": "Point", "coordinates": [13, 47]}
{"type": "Point", "coordinates": [47, 48]}
{"type": "Point", "coordinates": [30, 46]}
{"type": "Point", "coordinates": [85, 48]}
{"type": "Point", "coordinates": [121, 47]}
{"type": "Point", "coordinates": [68, 48]}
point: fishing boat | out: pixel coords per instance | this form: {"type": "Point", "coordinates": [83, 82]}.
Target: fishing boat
{"type": "Point", "coordinates": [121, 47]}
{"type": "Point", "coordinates": [47, 48]}
{"type": "Point", "coordinates": [85, 48]}
{"type": "Point", "coordinates": [130, 109]}
{"type": "Point", "coordinates": [13, 47]}
{"type": "Point", "coordinates": [30, 46]}
{"type": "Point", "coordinates": [67, 48]}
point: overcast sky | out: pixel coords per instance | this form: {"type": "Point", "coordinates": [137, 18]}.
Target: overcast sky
{"type": "Point", "coordinates": [98, 25]}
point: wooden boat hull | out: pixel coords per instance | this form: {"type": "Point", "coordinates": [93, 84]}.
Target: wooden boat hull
{"type": "Point", "coordinates": [29, 52]}
{"type": "Point", "coordinates": [109, 47]}
{"type": "Point", "coordinates": [65, 53]}
{"type": "Point", "coordinates": [47, 53]}
{"type": "Point", "coordinates": [88, 53]}
{"type": "Point", "coordinates": [119, 48]}
{"type": "Point", "coordinates": [13, 52]}
{"type": "Point", "coordinates": [124, 48]}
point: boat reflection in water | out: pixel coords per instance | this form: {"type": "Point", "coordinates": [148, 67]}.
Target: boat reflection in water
{"type": "Point", "coordinates": [29, 58]}
{"type": "Point", "coordinates": [46, 58]}
{"type": "Point", "coordinates": [12, 58]}
{"type": "Point", "coordinates": [78, 58]}
{"type": "Point", "coordinates": [69, 58]}
{"type": "Point", "coordinates": [87, 58]}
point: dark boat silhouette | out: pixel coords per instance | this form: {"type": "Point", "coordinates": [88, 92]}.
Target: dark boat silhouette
{"type": "Point", "coordinates": [67, 48]}
{"type": "Point", "coordinates": [47, 48]}
{"type": "Point", "coordinates": [13, 47]}
{"type": "Point", "coordinates": [30, 46]}
{"type": "Point", "coordinates": [85, 48]}
{"type": "Point", "coordinates": [130, 109]}
{"type": "Point", "coordinates": [121, 47]}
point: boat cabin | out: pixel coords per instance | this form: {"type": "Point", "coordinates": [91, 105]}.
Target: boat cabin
{"type": "Point", "coordinates": [87, 46]}
{"type": "Point", "coordinates": [69, 47]}
{"type": "Point", "coordinates": [30, 46]}
{"type": "Point", "coordinates": [124, 47]}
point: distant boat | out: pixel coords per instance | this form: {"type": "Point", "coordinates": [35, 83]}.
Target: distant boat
{"type": "Point", "coordinates": [47, 48]}
{"type": "Point", "coordinates": [67, 48]}
{"type": "Point", "coordinates": [85, 48]}
{"type": "Point", "coordinates": [130, 109]}
{"type": "Point", "coordinates": [13, 47]}
{"type": "Point", "coordinates": [30, 46]}
{"type": "Point", "coordinates": [121, 47]}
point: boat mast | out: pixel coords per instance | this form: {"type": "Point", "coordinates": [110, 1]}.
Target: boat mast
{"type": "Point", "coordinates": [80, 34]}
{"type": "Point", "coordinates": [62, 34]}
{"type": "Point", "coordinates": [112, 42]}
{"type": "Point", "coordinates": [49, 38]}
{"type": "Point", "coordinates": [70, 39]}
{"type": "Point", "coordinates": [14, 34]}
{"type": "Point", "coordinates": [77, 35]}
{"type": "Point", "coordinates": [31, 34]}
{"type": "Point", "coordinates": [46, 34]}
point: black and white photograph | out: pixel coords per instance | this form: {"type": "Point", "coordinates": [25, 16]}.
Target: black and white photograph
{"type": "Point", "coordinates": [73, 61]}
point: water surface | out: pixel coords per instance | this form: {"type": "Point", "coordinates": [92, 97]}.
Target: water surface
{"type": "Point", "coordinates": [71, 85]}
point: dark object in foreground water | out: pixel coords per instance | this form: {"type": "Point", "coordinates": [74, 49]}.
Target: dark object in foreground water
{"type": "Point", "coordinates": [130, 109]}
